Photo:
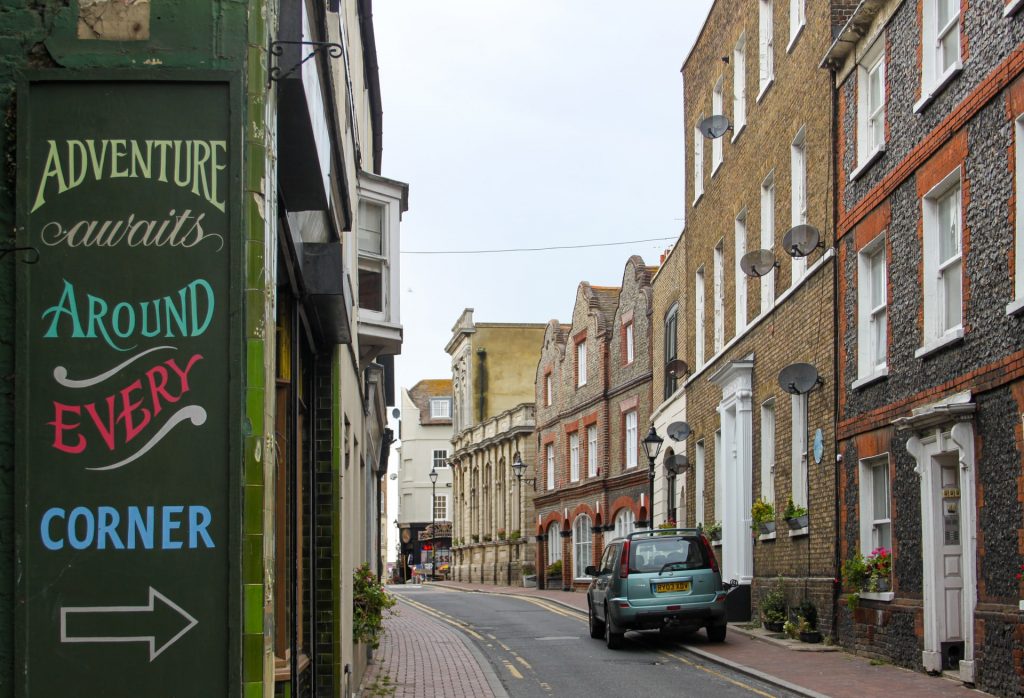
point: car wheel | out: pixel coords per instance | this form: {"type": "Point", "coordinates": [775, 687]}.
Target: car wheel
{"type": "Point", "coordinates": [596, 626]}
{"type": "Point", "coordinates": [716, 633]}
{"type": "Point", "coordinates": [612, 639]}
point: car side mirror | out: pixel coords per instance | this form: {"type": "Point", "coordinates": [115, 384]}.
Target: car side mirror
{"type": "Point", "coordinates": [590, 571]}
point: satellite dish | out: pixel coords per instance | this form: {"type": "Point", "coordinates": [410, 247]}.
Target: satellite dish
{"type": "Point", "coordinates": [798, 379]}
{"type": "Point", "coordinates": [677, 368]}
{"type": "Point", "coordinates": [396, 413]}
{"type": "Point", "coordinates": [757, 263]}
{"type": "Point", "coordinates": [714, 126]}
{"type": "Point", "coordinates": [393, 476]}
{"type": "Point", "coordinates": [800, 240]}
{"type": "Point", "coordinates": [677, 463]}
{"type": "Point", "coordinates": [678, 431]}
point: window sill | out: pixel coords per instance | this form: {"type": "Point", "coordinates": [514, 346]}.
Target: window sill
{"type": "Point", "coordinates": [1012, 7]}
{"type": "Point", "coordinates": [868, 162]}
{"type": "Point", "coordinates": [766, 536]}
{"type": "Point", "coordinates": [883, 596]}
{"type": "Point", "coordinates": [764, 90]}
{"type": "Point", "coordinates": [952, 337]}
{"type": "Point", "coordinates": [716, 167]}
{"type": "Point", "coordinates": [1016, 307]}
{"type": "Point", "coordinates": [793, 40]}
{"type": "Point", "coordinates": [937, 88]}
{"type": "Point", "coordinates": [737, 130]}
{"type": "Point", "coordinates": [869, 379]}
{"type": "Point", "coordinates": [799, 532]}
{"type": "Point", "coordinates": [1021, 604]}
{"type": "Point", "coordinates": [718, 544]}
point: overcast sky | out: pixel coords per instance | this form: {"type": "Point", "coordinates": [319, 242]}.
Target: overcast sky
{"type": "Point", "coordinates": [527, 123]}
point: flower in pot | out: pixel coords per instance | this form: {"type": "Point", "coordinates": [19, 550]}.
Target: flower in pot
{"type": "Point", "coordinates": [515, 535]}
{"type": "Point", "coordinates": [713, 530]}
{"type": "Point", "coordinates": [773, 608]}
{"type": "Point", "coordinates": [879, 569]}
{"type": "Point", "coordinates": [475, 537]}
{"type": "Point", "coordinates": [554, 570]}
{"type": "Point", "coordinates": [665, 525]}
{"type": "Point", "coordinates": [807, 622]}
{"type": "Point", "coordinates": [501, 534]}
{"type": "Point", "coordinates": [487, 538]}
{"type": "Point", "coordinates": [762, 517]}
{"type": "Point", "coordinates": [795, 515]}
{"type": "Point", "coordinates": [855, 576]}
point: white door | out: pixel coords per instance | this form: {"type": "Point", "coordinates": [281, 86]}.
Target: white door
{"type": "Point", "coordinates": [950, 594]}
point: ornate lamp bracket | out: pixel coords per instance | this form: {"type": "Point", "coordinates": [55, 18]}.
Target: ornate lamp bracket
{"type": "Point", "coordinates": [277, 48]}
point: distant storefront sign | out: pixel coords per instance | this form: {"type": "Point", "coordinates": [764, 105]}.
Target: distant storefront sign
{"type": "Point", "coordinates": [125, 441]}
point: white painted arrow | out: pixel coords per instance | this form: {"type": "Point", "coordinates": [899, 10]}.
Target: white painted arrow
{"type": "Point", "coordinates": [154, 651]}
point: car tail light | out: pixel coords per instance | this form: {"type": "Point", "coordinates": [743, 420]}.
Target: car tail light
{"type": "Point", "coordinates": [624, 561]}
{"type": "Point", "coordinates": [712, 560]}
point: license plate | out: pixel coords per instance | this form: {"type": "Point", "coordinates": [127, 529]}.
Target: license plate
{"type": "Point", "coordinates": [672, 586]}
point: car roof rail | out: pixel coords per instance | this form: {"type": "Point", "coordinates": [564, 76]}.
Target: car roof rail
{"type": "Point", "coordinates": [664, 532]}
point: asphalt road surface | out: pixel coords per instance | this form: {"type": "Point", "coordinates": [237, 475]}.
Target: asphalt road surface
{"type": "Point", "coordinates": [539, 648]}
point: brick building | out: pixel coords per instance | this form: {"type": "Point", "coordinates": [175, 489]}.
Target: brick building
{"type": "Point", "coordinates": [493, 367]}
{"type": "Point", "coordinates": [931, 333]}
{"type": "Point", "coordinates": [593, 406]}
{"type": "Point", "coordinates": [754, 436]}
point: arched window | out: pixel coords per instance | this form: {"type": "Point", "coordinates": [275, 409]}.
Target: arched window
{"type": "Point", "coordinates": [582, 546]}
{"type": "Point", "coordinates": [554, 543]}
{"type": "Point", "coordinates": [624, 523]}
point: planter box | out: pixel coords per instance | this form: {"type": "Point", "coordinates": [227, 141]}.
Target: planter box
{"type": "Point", "coordinates": [553, 583]}
{"type": "Point", "coordinates": [530, 580]}
{"type": "Point", "coordinates": [811, 636]}
{"type": "Point", "coordinates": [774, 627]}
{"type": "Point", "coordinates": [798, 522]}
{"type": "Point", "coordinates": [767, 527]}
{"type": "Point", "coordinates": [716, 536]}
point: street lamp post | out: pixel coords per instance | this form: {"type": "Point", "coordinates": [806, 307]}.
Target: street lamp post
{"type": "Point", "coordinates": [652, 445]}
{"type": "Point", "coordinates": [518, 468]}
{"type": "Point", "coordinates": [433, 524]}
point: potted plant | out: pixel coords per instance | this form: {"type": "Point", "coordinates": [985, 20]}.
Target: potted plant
{"type": "Point", "coordinates": [855, 576]}
{"type": "Point", "coordinates": [553, 574]}
{"type": "Point", "coordinates": [762, 517]}
{"type": "Point", "coordinates": [879, 569]}
{"type": "Point", "coordinates": [773, 608]}
{"type": "Point", "coordinates": [796, 516]}
{"type": "Point", "coordinates": [501, 534]}
{"type": "Point", "coordinates": [713, 530]}
{"type": "Point", "coordinates": [369, 602]}
{"type": "Point", "coordinates": [807, 622]}
{"type": "Point", "coordinates": [475, 537]}
{"type": "Point", "coordinates": [529, 573]}
{"type": "Point", "coordinates": [487, 538]}
{"type": "Point", "coordinates": [515, 535]}
{"type": "Point", "coordinates": [665, 525]}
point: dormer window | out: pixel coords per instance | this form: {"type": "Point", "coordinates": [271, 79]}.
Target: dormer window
{"type": "Point", "coordinates": [440, 408]}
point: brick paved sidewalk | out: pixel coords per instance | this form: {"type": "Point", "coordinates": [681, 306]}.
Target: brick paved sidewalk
{"type": "Point", "coordinates": [815, 673]}
{"type": "Point", "coordinates": [423, 657]}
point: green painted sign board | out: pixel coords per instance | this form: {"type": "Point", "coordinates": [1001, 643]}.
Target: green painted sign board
{"type": "Point", "coordinates": [126, 368]}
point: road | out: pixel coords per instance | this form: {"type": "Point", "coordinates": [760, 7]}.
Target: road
{"type": "Point", "coordinates": [539, 649]}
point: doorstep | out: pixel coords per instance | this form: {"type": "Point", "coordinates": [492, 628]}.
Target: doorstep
{"type": "Point", "coordinates": [780, 639]}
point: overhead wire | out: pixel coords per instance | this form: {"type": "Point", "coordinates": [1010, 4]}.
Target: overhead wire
{"type": "Point", "coordinates": [541, 249]}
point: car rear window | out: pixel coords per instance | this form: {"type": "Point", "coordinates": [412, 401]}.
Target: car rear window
{"type": "Point", "coordinates": [651, 555]}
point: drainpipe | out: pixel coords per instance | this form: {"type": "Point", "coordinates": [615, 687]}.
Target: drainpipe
{"type": "Point", "coordinates": [834, 90]}
{"type": "Point", "coordinates": [481, 354]}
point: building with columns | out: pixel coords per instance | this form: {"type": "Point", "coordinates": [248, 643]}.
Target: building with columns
{"type": "Point", "coordinates": [493, 367]}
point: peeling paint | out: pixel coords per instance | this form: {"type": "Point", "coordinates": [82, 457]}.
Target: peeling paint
{"type": "Point", "coordinates": [113, 20]}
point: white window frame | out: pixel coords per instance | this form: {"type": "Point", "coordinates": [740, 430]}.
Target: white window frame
{"type": "Point", "coordinates": [377, 262]}
{"type": "Point", "coordinates": [574, 457]}
{"type": "Point", "coordinates": [581, 363]}
{"type": "Point", "coordinates": [768, 450]}
{"type": "Point", "coordinates": [440, 507]}
{"type": "Point", "coordinates": [868, 149]}
{"type": "Point", "coordinates": [869, 518]}
{"type": "Point", "coordinates": [719, 476]}
{"type": "Point", "coordinates": [625, 522]}
{"type": "Point", "coordinates": [550, 455]}
{"type": "Point", "coordinates": [698, 481]}
{"type": "Point", "coordinates": [592, 451]}
{"type": "Point", "coordinates": [935, 76]}
{"type": "Point", "coordinates": [1017, 304]}
{"type": "Point", "coordinates": [698, 312]}
{"type": "Point", "coordinates": [717, 109]}
{"type": "Point", "coordinates": [440, 458]}
{"type": "Point", "coordinates": [631, 441]}
{"type": "Point", "coordinates": [797, 20]}
{"type": "Point", "coordinates": [872, 313]}
{"type": "Point", "coordinates": [698, 162]}
{"type": "Point", "coordinates": [554, 536]}
{"type": "Point", "coordinates": [798, 200]}
{"type": "Point", "coordinates": [741, 278]}
{"type": "Point", "coordinates": [582, 546]}
{"type": "Point", "coordinates": [766, 46]}
{"type": "Point", "coordinates": [739, 87]}
{"type": "Point", "coordinates": [768, 239]}
{"type": "Point", "coordinates": [548, 385]}
{"type": "Point", "coordinates": [628, 332]}
{"type": "Point", "coordinates": [937, 332]}
{"type": "Point", "coordinates": [440, 408]}
{"type": "Point", "coordinates": [798, 460]}
{"type": "Point", "coordinates": [719, 299]}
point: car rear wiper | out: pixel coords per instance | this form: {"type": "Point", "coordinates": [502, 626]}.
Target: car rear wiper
{"type": "Point", "coordinates": [671, 564]}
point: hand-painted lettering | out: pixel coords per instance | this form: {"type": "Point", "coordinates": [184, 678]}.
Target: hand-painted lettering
{"type": "Point", "coordinates": [170, 527]}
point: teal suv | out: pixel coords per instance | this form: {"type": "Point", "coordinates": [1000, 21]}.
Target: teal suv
{"type": "Point", "coordinates": [666, 579]}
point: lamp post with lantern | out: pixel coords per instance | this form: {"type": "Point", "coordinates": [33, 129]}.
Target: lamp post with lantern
{"type": "Point", "coordinates": [652, 446]}
{"type": "Point", "coordinates": [433, 524]}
